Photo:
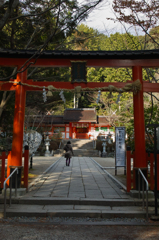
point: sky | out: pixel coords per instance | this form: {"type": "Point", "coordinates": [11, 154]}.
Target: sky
{"type": "Point", "coordinates": [97, 19]}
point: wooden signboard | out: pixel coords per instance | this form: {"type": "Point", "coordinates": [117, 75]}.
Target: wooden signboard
{"type": "Point", "coordinates": [120, 148]}
{"type": "Point", "coordinates": [78, 72]}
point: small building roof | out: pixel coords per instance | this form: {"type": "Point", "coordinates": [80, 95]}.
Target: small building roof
{"type": "Point", "coordinates": [80, 115]}
{"type": "Point", "coordinates": [102, 120]}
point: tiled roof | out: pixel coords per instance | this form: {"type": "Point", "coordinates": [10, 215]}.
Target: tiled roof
{"type": "Point", "coordinates": [80, 115]}
{"type": "Point", "coordinates": [138, 54]}
{"type": "Point", "coordinates": [102, 120]}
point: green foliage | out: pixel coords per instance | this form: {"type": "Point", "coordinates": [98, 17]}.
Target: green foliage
{"type": "Point", "coordinates": [5, 143]}
{"type": "Point", "coordinates": [151, 115]}
{"type": "Point", "coordinates": [154, 33]}
{"type": "Point", "coordinates": [120, 42]}
{"type": "Point", "coordinates": [6, 119]}
{"type": "Point", "coordinates": [36, 21]}
{"type": "Point", "coordinates": [84, 38]}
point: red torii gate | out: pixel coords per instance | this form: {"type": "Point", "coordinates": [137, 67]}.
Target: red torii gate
{"type": "Point", "coordinates": [23, 58]}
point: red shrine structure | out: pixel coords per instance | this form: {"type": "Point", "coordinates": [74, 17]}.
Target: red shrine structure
{"type": "Point", "coordinates": [22, 59]}
{"type": "Point", "coordinates": [75, 123]}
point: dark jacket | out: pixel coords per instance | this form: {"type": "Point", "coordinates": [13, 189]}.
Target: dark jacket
{"type": "Point", "coordinates": [69, 151]}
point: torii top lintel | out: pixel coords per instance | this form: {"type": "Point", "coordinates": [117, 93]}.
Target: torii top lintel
{"type": "Point", "coordinates": [144, 58]}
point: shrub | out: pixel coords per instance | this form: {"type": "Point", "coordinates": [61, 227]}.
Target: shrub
{"type": "Point", "coordinates": [54, 145]}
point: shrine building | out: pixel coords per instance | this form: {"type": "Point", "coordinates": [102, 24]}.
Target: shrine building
{"type": "Point", "coordinates": [76, 123]}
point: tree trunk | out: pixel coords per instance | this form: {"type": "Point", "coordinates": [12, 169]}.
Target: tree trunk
{"type": "Point", "coordinates": [5, 99]}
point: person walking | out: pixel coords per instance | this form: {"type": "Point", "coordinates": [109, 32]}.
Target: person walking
{"type": "Point", "coordinates": [68, 153]}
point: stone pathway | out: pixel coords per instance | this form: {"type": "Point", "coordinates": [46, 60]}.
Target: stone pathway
{"type": "Point", "coordinates": [81, 190]}
{"type": "Point", "coordinates": [82, 179]}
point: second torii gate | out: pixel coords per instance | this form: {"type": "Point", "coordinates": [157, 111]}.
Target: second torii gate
{"type": "Point", "coordinates": [24, 58]}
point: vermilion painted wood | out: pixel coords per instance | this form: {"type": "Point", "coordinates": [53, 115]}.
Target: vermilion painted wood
{"type": "Point", "coordinates": [7, 86]}
{"type": "Point", "coordinates": [54, 62]}
{"type": "Point", "coordinates": [139, 123]}
{"type": "Point", "coordinates": [150, 87]}
{"type": "Point", "coordinates": [12, 62]}
{"type": "Point", "coordinates": [18, 124]}
{"type": "Point", "coordinates": [147, 87]}
{"type": "Point", "coordinates": [9, 163]}
{"type": "Point", "coordinates": [70, 130]}
{"type": "Point", "coordinates": [89, 129]}
{"type": "Point", "coordinates": [122, 63]}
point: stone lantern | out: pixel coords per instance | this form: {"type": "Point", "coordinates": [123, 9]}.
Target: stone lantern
{"type": "Point", "coordinates": [104, 144]}
{"type": "Point", "coordinates": [47, 144]}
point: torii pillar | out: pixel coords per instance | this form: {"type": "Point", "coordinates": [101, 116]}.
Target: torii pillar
{"type": "Point", "coordinates": [15, 156]}
{"type": "Point", "coordinates": [139, 125]}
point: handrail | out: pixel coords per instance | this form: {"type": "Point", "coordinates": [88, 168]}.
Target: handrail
{"type": "Point", "coordinates": [147, 188]}
{"type": "Point", "coordinates": [4, 187]}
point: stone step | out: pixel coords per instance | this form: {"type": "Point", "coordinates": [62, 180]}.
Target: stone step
{"type": "Point", "coordinates": [93, 211]}
{"type": "Point", "coordinates": [85, 152]}
{"type": "Point", "coordinates": [92, 208]}
{"type": "Point", "coordinates": [80, 143]}
{"type": "Point", "coordinates": [77, 201]}
{"type": "Point", "coordinates": [86, 155]}
{"type": "Point", "coordinates": [81, 152]}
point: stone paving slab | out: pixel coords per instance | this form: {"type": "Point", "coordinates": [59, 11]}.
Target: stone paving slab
{"type": "Point", "coordinates": [77, 195]}
{"type": "Point", "coordinates": [82, 179]}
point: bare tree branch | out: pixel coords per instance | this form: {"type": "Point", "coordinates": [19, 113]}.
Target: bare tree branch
{"type": "Point", "coordinates": [11, 6]}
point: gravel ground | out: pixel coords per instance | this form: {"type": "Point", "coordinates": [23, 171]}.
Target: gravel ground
{"type": "Point", "coordinates": [42, 231]}
{"type": "Point", "coordinates": [72, 220]}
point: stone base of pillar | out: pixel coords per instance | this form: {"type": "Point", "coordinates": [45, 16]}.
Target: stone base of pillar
{"type": "Point", "coordinates": [104, 154]}
{"type": "Point", "coordinates": [49, 154]}
{"type": "Point", "coordinates": [20, 192]}
{"type": "Point", "coordinates": [135, 194]}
